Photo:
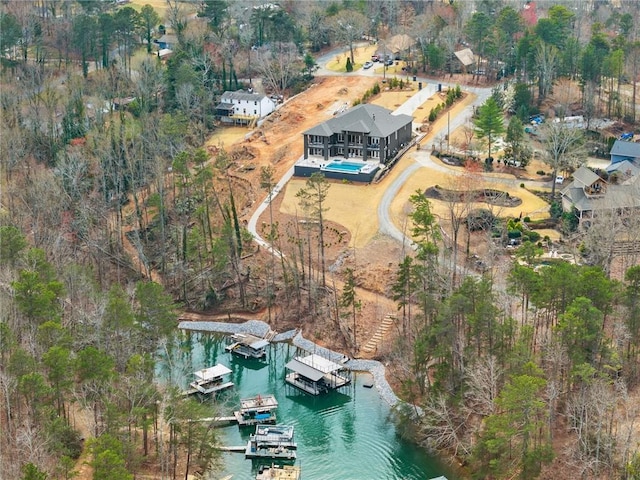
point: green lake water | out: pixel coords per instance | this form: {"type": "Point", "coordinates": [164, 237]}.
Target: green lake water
{"type": "Point", "coordinates": [345, 435]}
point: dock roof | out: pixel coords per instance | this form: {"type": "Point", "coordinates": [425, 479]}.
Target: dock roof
{"type": "Point", "coordinates": [212, 372]}
{"type": "Point", "coordinates": [313, 366]}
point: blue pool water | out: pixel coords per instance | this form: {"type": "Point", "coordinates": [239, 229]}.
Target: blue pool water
{"type": "Point", "coordinates": [346, 167]}
{"type": "Point", "coordinates": [348, 434]}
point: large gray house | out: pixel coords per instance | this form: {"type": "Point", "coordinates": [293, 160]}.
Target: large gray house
{"type": "Point", "coordinates": [365, 132]}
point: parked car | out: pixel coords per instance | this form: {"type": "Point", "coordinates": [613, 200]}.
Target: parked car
{"type": "Point", "coordinates": [560, 179]}
{"type": "Point", "coordinates": [367, 65]}
{"type": "Point", "coordinates": [389, 62]}
{"type": "Point", "coordinates": [375, 58]}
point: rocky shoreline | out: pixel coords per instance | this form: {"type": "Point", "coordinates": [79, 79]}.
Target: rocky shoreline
{"type": "Point", "coordinates": [260, 329]}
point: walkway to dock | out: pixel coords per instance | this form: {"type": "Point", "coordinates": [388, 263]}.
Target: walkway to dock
{"type": "Point", "coordinates": [372, 345]}
{"type": "Point", "coordinates": [234, 448]}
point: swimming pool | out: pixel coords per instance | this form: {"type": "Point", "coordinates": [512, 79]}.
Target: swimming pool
{"type": "Point", "coordinates": [343, 167]}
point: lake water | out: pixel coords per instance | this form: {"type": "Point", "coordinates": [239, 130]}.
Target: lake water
{"type": "Point", "coordinates": [345, 435]}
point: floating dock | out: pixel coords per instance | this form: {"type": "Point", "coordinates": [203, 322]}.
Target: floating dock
{"type": "Point", "coordinates": [272, 441]}
{"type": "Point", "coordinates": [256, 410]}
{"type": "Point", "coordinates": [209, 380]}
{"type": "Point", "coordinates": [247, 346]}
{"type": "Point", "coordinates": [316, 375]}
{"type": "Point", "coordinates": [279, 472]}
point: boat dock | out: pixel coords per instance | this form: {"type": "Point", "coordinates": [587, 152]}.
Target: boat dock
{"type": "Point", "coordinates": [279, 472]}
{"type": "Point", "coordinates": [209, 380]}
{"type": "Point", "coordinates": [256, 410]}
{"type": "Point", "coordinates": [272, 441]}
{"type": "Point", "coordinates": [316, 375]}
{"type": "Point", "coordinates": [248, 346]}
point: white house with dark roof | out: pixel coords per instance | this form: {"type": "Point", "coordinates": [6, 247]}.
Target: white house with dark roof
{"type": "Point", "coordinates": [244, 108]}
{"type": "Point", "coordinates": [365, 132]}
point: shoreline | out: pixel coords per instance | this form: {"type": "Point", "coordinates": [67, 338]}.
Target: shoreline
{"type": "Point", "coordinates": [260, 328]}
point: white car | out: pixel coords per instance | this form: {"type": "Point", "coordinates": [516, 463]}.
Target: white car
{"type": "Point", "coordinates": [560, 179]}
{"type": "Point", "coordinates": [367, 65]}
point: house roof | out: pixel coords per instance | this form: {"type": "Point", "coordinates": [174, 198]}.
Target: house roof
{"type": "Point", "coordinates": [364, 118]}
{"type": "Point", "coordinates": [224, 106]}
{"type": "Point", "coordinates": [465, 56]}
{"type": "Point", "coordinates": [626, 149]}
{"type": "Point", "coordinates": [625, 167]}
{"type": "Point", "coordinates": [400, 43]}
{"type": "Point", "coordinates": [584, 176]}
{"type": "Point", "coordinates": [241, 95]}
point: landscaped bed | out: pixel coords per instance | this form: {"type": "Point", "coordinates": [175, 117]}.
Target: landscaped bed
{"type": "Point", "coordinates": [486, 195]}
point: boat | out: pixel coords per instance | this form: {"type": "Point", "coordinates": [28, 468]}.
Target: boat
{"type": "Point", "coordinates": [210, 380]}
{"type": "Point", "coordinates": [256, 410]}
{"type": "Point", "coordinates": [279, 472]}
{"type": "Point", "coordinates": [272, 441]}
{"type": "Point", "coordinates": [247, 346]}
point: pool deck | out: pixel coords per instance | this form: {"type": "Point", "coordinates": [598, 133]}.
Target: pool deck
{"type": "Point", "coordinates": [338, 168]}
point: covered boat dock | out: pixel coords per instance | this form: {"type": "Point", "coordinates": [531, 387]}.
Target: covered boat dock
{"type": "Point", "coordinates": [248, 346]}
{"type": "Point", "coordinates": [210, 380]}
{"type": "Point", "coordinates": [256, 410]}
{"type": "Point", "coordinates": [316, 375]}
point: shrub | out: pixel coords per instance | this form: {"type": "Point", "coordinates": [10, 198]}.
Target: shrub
{"type": "Point", "coordinates": [533, 236]}
{"type": "Point", "coordinates": [555, 210]}
{"type": "Point", "coordinates": [349, 65]}
{"type": "Point", "coordinates": [526, 219]}
{"type": "Point", "coordinates": [540, 172]}
{"type": "Point", "coordinates": [376, 89]}
{"type": "Point", "coordinates": [522, 185]}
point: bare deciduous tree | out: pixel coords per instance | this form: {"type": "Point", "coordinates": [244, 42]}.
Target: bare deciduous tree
{"type": "Point", "coordinates": [563, 145]}
{"type": "Point", "coordinates": [278, 64]}
{"type": "Point", "coordinates": [483, 379]}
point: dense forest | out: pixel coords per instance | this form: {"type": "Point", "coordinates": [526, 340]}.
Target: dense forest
{"type": "Point", "coordinates": [114, 218]}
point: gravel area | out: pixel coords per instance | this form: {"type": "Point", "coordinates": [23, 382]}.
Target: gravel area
{"type": "Point", "coordinates": [260, 329]}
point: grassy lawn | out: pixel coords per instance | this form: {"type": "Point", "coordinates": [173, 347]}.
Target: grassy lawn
{"type": "Point", "coordinates": [360, 55]}
{"type": "Point", "coordinates": [160, 6]}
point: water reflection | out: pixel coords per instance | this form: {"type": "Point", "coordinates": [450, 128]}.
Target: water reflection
{"type": "Point", "coordinates": [345, 434]}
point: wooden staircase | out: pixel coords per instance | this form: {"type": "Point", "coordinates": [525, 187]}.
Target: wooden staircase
{"type": "Point", "coordinates": [372, 345]}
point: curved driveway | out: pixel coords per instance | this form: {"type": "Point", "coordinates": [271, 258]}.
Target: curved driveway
{"type": "Point", "coordinates": [422, 157]}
